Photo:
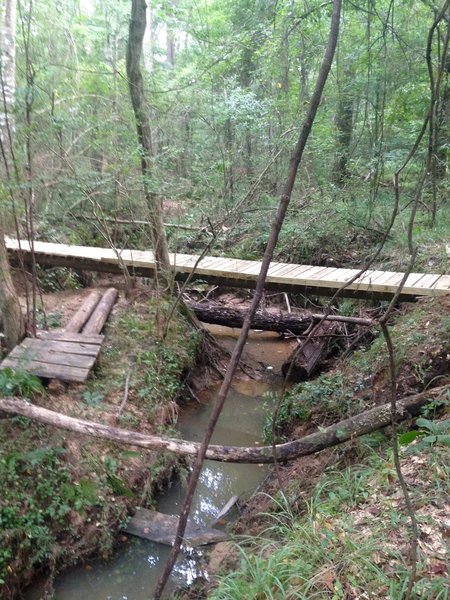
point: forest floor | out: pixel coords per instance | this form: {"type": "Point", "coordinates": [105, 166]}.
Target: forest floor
{"type": "Point", "coordinates": [64, 496]}
{"type": "Point", "coordinates": [330, 525]}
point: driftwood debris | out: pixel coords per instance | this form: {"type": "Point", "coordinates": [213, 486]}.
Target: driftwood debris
{"type": "Point", "coordinates": [101, 313]}
{"type": "Point", "coordinates": [83, 313]}
{"type": "Point", "coordinates": [158, 527]}
{"type": "Point", "coordinates": [307, 359]}
{"type": "Point", "coordinates": [366, 422]}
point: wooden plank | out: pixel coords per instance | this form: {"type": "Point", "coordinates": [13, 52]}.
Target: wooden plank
{"type": "Point", "coordinates": [299, 276]}
{"type": "Point", "coordinates": [250, 267]}
{"type": "Point", "coordinates": [80, 338]}
{"type": "Point", "coordinates": [305, 277]}
{"type": "Point", "coordinates": [394, 279]}
{"type": "Point", "coordinates": [161, 528]}
{"type": "Point", "coordinates": [427, 281]}
{"type": "Point", "coordinates": [293, 275]}
{"type": "Point", "coordinates": [50, 356]}
{"type": "Point", "coordinates": [323, 275]}
{"type": "Point", "coordinates": [341, 275]}
{"type": "Point", "coordinates": [63, 372]}
{"type": "Point", "coordinates": [443, 283]}
{"type": "Point", "coordinates": [226, 265]}
{"type": "Point", "coordinates": [276, 269]}
{"type": "Point", "coordinates": [284, 273]}
{"type": "Point", "coordinates": [61, 346]}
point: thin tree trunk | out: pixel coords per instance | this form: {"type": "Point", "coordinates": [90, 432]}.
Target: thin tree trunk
{"type": "Point", "coordinates": [344, 126]}
{"type": "Point", "coordinates": [136, 88]}
{"type": "Point", "coordinates": [268, 254]}
{"type": "Point", "coordinates": [8, 66]}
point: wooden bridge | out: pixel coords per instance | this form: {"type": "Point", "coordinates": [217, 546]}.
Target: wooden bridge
{"type": "Point", "coordinates": [303, 279]}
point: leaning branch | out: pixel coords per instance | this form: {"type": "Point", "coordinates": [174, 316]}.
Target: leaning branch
{"type": "Point", "coordinates": [366, 422]}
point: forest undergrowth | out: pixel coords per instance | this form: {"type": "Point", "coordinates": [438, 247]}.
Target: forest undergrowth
{"type": "Point", "coordinates": [338, 528]}
{"type": "Point", "coordinates": [64, 497]}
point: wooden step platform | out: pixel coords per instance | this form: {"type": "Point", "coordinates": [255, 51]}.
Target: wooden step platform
{"type": "Point", "coordinates": [56, 355]}
{"type": "Point", "coordinates": [303, 279]}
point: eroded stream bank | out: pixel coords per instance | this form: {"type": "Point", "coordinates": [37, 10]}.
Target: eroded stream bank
{"type": "Point", "coordinates": [133, 572]}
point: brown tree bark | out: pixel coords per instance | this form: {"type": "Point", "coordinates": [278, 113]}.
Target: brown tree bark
{"type": "Point", "coordinates": [10, 310]}
{"type": "Point", "coordinates": [101, 312]}
{"type": "Point", "coordinates": [136, 89]}
{"type": "Point", "coordinates": [83, 313]}
{"type": "Point", "coordinates": [343, 431]}
{"type": "Point", "coordinates": [218, 314]}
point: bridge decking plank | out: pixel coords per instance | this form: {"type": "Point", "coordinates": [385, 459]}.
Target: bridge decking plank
{"type": "Point", "coordinates": [49, 371]}
{"type": "Point", "coordinates": [217, 268]}
{"type": "Point", "coordinates": [61, 346]}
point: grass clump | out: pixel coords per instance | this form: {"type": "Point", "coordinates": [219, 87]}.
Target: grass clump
{"type": "Point", "coordinates": [350, 539]}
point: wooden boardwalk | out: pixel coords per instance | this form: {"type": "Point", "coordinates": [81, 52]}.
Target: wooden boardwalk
{"type": "Point", "coordinates": [305, 279]}
{"type": "Point", "coordinates": [56, 355]}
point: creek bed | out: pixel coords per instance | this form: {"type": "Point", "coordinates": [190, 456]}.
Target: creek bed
{"type": "Point", "coordinates": [134, 570]}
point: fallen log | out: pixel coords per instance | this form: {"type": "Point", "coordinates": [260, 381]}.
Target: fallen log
{"type": "Point", "coordinates": [218, 314]}
{"type": "Point", "coordinates": [306, 360]}
{"type": "Point", "coordinates": [101, 313]}
{"type": "Point", "coordinates": [141, 222]}
{"type": "Point", "coordinates": [83, 313]}
{"type": "Point", "coordinates": [215, 313]}
{"type": "Point", "coordinates": [353, 427]}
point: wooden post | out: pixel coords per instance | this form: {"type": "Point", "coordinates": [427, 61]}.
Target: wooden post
{"type": "Point", "coordinates": [98, 318]}
{"type": "Point", "coordinates": [83, 313]}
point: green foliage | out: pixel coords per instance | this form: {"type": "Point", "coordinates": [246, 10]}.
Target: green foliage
{"type": "Point", "coordinates": [38, 492]}
{"type": "Point", "coordinates": [18, 383]}
{"type": "Point", "coordinates": [337, 541]}
{"type": "Point", "coordinates": [429, 433]}
{"type": "Point", "coordinates": [289, 410]}
{"type": "Point", "coordinates": [94, 397]}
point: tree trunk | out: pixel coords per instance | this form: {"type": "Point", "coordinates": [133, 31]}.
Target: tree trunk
{"type": "Point", "coordinates": [136, 88]}
{"type": "Point", "coordinates": [8, 67]}
{"type": "Point", "coordinates": [101, 312]}
{"type": "Point", "coordinates": [344, 126]}
{"type": "Point", "coordinates": [343, 431]}
{"type": "Point", "coordinates": [11, 313]}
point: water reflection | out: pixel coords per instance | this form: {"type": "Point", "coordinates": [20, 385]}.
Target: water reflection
{"type": "Point", "coordinates": [133, 572]}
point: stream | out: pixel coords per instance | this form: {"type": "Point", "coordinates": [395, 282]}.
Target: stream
{"type": "Point", "coordinates": [133, 571]}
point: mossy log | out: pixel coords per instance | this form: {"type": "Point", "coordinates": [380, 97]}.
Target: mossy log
{"type": "Point", "coordinates": [353, 427]}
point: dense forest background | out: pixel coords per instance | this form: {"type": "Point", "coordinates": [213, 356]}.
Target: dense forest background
{"type": "Point", "coordinates": [226, 87]}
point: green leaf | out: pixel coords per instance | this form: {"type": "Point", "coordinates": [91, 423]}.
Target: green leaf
{"type": "Point", "coordinates": [409, 436]}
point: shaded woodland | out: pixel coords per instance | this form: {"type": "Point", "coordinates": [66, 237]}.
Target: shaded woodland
{"type": "Point", "coordinates": [307, 132]}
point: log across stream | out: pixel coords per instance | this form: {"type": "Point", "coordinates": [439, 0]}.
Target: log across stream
{"type": "Point", "coordinates": [133, 571]}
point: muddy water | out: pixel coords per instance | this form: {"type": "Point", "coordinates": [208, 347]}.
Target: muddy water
{"type": "Point", "coordinates": [133, 572]}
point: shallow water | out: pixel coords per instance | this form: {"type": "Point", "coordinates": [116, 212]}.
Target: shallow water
{"type": "Point", "coordinates": [133, 572]}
